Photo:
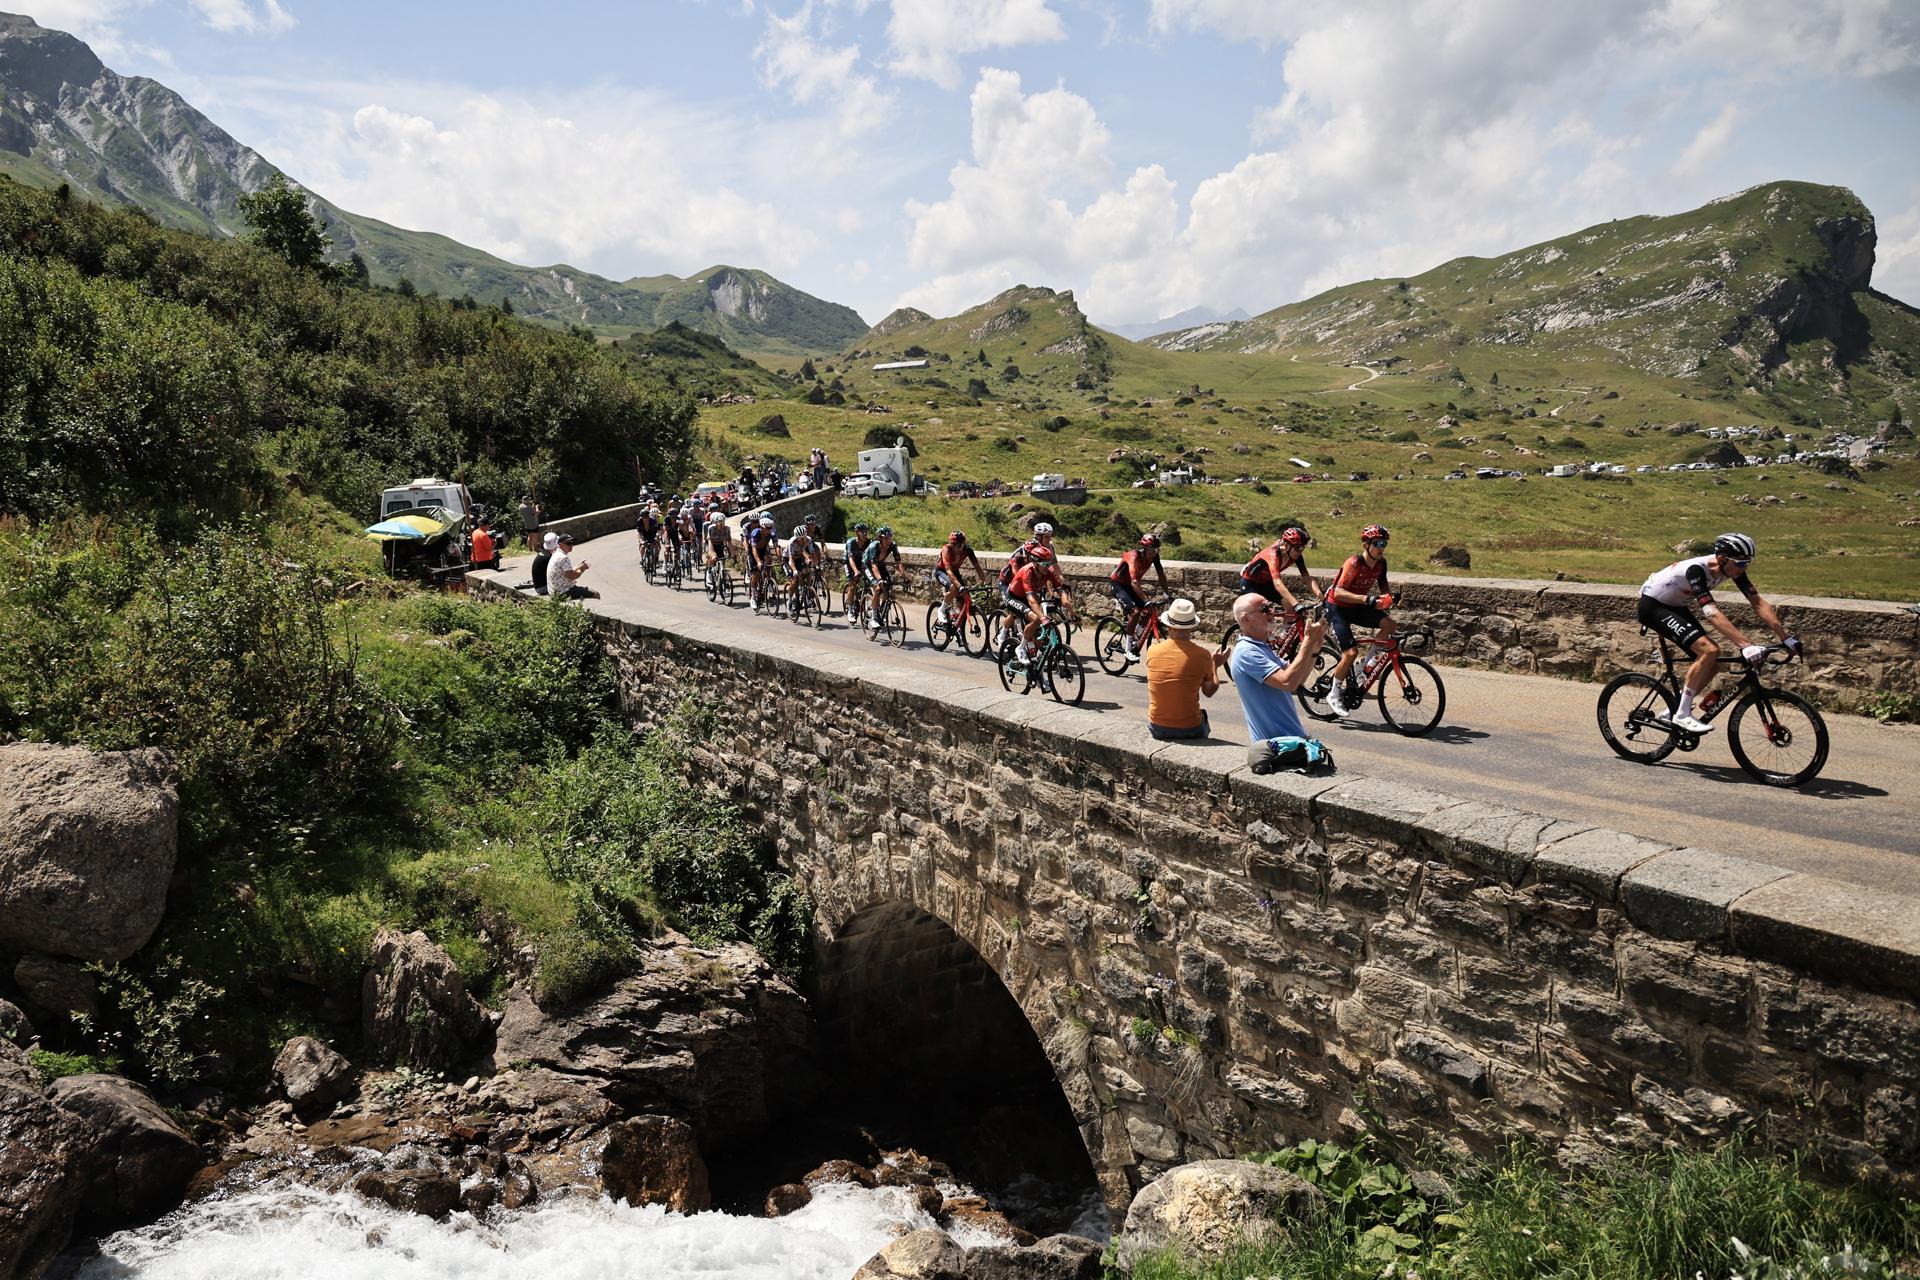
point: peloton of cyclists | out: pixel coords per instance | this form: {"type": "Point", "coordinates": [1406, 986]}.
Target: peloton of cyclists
{"type": "Point", "coordinates": [1129, 587]}
{"type": "Point", "coordinates": [1360, 596]}
{"type": "Point", "coordinates": [946, 570]}
{"type": "Point", "coordinates": [1665, 598]}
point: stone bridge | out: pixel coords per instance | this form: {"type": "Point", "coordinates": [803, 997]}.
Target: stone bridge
{"type": "Point", "coordinates": [1206, 962]}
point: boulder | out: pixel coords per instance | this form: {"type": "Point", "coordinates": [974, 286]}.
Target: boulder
{"type": "Point", "coordinates": [14, 1025]}
{"type": "Point", "coordinates": [56, 988]}
{"type": "Point", "coordinates": [929, 1254]}
{"type": "Point", "coordinates": [138, 1161]}
{"type": "Point", "coordinates": [414, 1007]}
{"type": "Point", "coordinates": [713, 1036]}
{"type": "Point", "coordinates": [87, 845]}
{"type": "Point", "coordinates": [1452, 557]}
{"type": "Point", "coordinates": [788, 1197]}
{"type": "Point", "coordinates": [841, 1171]}
{"type": "Point", "coordinates": [1205, 1209]}
{"type": "Point", "coordinates": [655, 1160]}
{"type": "Point", "coordinates": [312, 1076]}
{"type": "Point", "coordinates": [40, 1147]}
{"type": "Point", "coordinates": [432, 1192]}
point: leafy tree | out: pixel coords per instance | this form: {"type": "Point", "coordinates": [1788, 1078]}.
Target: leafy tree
{"type": "Point", "coordinates": [281, 224]}
{"type": "Point", "coordinates": [354, 271]}
{"type": "Point", "coordinates": [406, 288]}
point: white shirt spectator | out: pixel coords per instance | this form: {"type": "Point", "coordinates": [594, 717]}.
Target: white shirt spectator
{"type": "Point", "coordinates": [557, 570]}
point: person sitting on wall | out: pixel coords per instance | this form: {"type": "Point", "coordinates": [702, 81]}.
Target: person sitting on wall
{"type": "Point", "coordinates": [563, 575]}
{"type": "Point", "coordinates": [1179, 674]}
{"type": "Point", "coordinates": [548, 545]}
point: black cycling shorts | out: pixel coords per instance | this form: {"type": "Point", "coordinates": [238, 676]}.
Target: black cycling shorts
{"type": "Point", "coordinates": [1266, 589]}
{"type": "Point", "coordinates": [1670, 620]}
{"type": "Point", "coordinates": [1021, 606]}
{"type": "Point", "coordinates": [1126, 597]}
{"type": "Point", "coordinates": [1343, 618]}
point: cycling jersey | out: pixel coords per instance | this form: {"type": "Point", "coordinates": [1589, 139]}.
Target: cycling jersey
{"type": "Point", "coordinates": [856, 553]}
{"type": "Point", "coordinates": [719, 537]}
{"type": "Point", "coordinates": [1362, 577]}
{"type": "Point", "coordinates": [799, 550]}
{"type": "Point", "coordinates": [759, 542]}
{"type": "Point", "coordinates": [875, 560]}
{"type": "Point", "coordinates": [1269, 564]}
{"type": "Point", "coordinates": [1133, 566]}
{"type": "Point", "coordinates": [1687, 582]}
{"type": "Point", "coordinates": [1031, 580]}
{"type": "Point", "coordinates": [649, 529]}
{"type": "Point", "coordinates": [1021, 554]}
{"type": "Point", "coordinates": [951, 558]}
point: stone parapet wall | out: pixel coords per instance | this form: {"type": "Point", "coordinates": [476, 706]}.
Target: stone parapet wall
{"type": "Point", "coordinates": [596, 524]}
{"type": "Point", "coordinates": [1219, 962]}
{"type": "Point", "coordinates": [1584, 631]}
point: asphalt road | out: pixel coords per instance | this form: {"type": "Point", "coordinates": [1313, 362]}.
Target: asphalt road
{"type": "Point", "coordinates": [1528, 742]}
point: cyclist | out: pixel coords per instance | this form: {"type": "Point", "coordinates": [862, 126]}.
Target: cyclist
{"type": "Point", "coordinates": [800, 555]}
{"type": "Point", "coordinates": [718, 540]}
{"type": "Point", "coordinates": [879, 571]}
{"type": "Point", "coordinates": [1129, 581]}
{"type": "Point", "coordinates": [1261, 575]}
{"type": "Point", "coordinates": [1026, 597]}
{"type": "Point", "coordinates": [689, 533]}
{"type": "Point", "coordinates": [946, 570]}
{"type": "Point", "coordinates": [762, 546]}
{"type": "Point", "coordinates": [648, 528]}
{"type": "Point", "coordinates": [1359, 595]}
{"type": "Point", "coordinates": [1664, 601]}
{"type": "Point", "coordinates": [855, 552]}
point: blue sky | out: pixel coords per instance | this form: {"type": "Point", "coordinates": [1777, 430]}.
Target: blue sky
{"type": "Point", "coordinates": [1151, 156]}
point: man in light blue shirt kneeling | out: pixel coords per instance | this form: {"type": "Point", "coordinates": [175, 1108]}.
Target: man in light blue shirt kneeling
{"type": "Point", "coordinates": [1265, 677]}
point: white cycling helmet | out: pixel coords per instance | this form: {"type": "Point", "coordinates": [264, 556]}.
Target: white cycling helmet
{"type": "Point", "coordinates": [1042, 527]}
{"type": "Point", "coordinates": [1735, 546]}
{"type": "Point", "coordinates": [799, 529]}
{"type": "Point", "coordinates": [766, 522]}
{"type": "Point", "coordinates": [715, 518]}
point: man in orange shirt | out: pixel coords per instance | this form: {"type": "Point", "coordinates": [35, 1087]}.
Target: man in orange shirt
{"type": "Point", "coordinates": [484, 554]}
{"type": "Point", "coordinates": [1179, 672]}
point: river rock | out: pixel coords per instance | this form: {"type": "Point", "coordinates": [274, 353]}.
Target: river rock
{"type": "Point", "coordinates": [87, 845]}
{"type": "Point", "coordinates": [39, 1177]}
{"type": "Point", "coordinates": [1206, 1208]}
{"type": "Point", "coordinates": [655, 1160]}
{"type": "Point", "coordinates": [311, 1076]}
{"type": "Point", "coordinates": [841, 1171]}
{"type": "Point", "coordinates": [930, 1254]}
{"type": "Point", "coordinates": [56, 988]}
{"type": "Point", "coordinates": [414, 1007]}
{"type": "Point", "coordinates": [715, 1037]}
{"type": "Point", "coordinates": [787, 1197]}
{"type": "Point", "coordinates": [138, 1161]}
{"type": "Point", "coordinates": [432, 1192]}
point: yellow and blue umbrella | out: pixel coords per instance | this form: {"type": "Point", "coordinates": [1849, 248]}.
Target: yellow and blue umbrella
{"type": "Point", "coordinates": [415, 526]}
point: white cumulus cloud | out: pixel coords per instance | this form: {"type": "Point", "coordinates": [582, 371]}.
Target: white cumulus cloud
{"type": "Point", "coordinates": [793, 59]}
{"type": "Point", "coordinates": [244, 15]}
{"type": "Point", "coordinates": [927, 36]}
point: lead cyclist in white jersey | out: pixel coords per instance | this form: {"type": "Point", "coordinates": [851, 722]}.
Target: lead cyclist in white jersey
{"type": "Point", "coordinates": [1665, 598]}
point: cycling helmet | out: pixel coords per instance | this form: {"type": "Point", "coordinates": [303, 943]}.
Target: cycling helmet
{"type": "Point", "coordinates": [1149, 540]}
{"type": "Point", "coordinates": [957, 536]}
{"type": "Point", "coordinates": [1374, 533]}
{"type": "Point", "coordinates": [799, 529]}
{"type": "Point", "coordinates": [884, 531]}
{"type": "Point", "coordinates": [766, 522]}
{"type": "Point", "coordinates": [1294, 537]}
{"type": "Point", "coordinates": [861, 527]}
{"type": "Point", "coordinates": [1734, 546]}
{"type": "Point", "coordinates": [1040, 555]}
{"type": "Point", "coordinates": [1042, 527]}
{"type": "Point", "coordinates": [716, 518]}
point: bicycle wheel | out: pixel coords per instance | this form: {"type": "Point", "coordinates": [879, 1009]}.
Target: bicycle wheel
{"type": "Point", "coordinates": [1413, 697]}
{"type": "Point", "coordinates": [940, 633]}
{"type": "Point", "coordinates": [806, 609]}
{"type": "Point", "coordinates": [895, 625]}
{"type": "Point", "coordinates": [1626, 711]}
{"type": "Point", "coordinates": [1110, 646]}
{"type": "Point", "coordinates": [973, 634]}
{"type": "Point", "coordinates": [1784, 743]}
{"type": "Point", "coordinates": [1312, 694]}
{"type": "Point", "coordinates": [1066, 676]}
{"type": "Point", "coordinates": [997, 634]}
{"type": "Point", "coordinates": [1228, 636]}
{"type": "Point", "coordinates": [1003, 659]}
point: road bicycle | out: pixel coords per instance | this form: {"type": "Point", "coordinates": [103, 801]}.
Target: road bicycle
{"type": "Point", "coordinates": [803, 599]}
{"type": "Point", "coordinates": [1298, 614]}
{"type": "Point", "coordinates": [1778, 737]}
{"type": "Point", "coordinates": [720, 583]}
{"type": "Point", "coordinates": [650, 560]}
{"type": "Point", "coordinates": [763, 587]}
{"type": "Point", "coordinates": [968, 625]}
{"type": "Point", "coordinates": [885, 621]}
{"type": "Point", "coordinates": [1110, 638]}
{"type": "Point", "coordinates": [1411, 694]}
{"type": "Point", "coordinates": [1055, 667]}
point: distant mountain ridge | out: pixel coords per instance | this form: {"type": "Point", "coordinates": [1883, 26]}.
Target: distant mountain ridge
{"type": "Point", "coordinates": [65, 117]}
{"type": "Point", "coordinates": [1188, 319]}
{"type": "Point", "coordinates": [1767, 291]}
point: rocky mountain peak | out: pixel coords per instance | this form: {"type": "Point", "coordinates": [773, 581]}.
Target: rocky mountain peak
{"type": "Point", "coordinates": [38, 62]}
{"type": "Point", "coordinates": [900, 318]}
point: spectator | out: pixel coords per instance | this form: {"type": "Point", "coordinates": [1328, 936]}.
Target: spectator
{"type": "Point", "coordinates": [1267, 678]}
{"type": "Point", "coordinates": [483, 554]}
{"type": "Point", "coordinates": [530, 521]}
{"type": "Point", "coordinates": [1179, 673]}
{"type": "Point", "coordinates": [542, 561]}
{"type": "Point", "coordinates": [563, 575]}
{"type": "Point", "coordinates": [819, 468]}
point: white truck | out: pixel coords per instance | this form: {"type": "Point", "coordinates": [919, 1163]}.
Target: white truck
{"type": "Point", "coordinates": [1048, 480]}
{"type": "Point", "coordinates": [883, 473]}
{"type": "Point", "coordinates": [424, 492]}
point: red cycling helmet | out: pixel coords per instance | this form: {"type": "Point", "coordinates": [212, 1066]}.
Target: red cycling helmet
{"type": "Point", "coordinates": [1374, 533]}
{"type": "Point", "coordinates": [1040, 555]}
{"type": "Point", "coordinates": [1149, 540]}
{"type": "Point", "coordinates": [1294, 537]}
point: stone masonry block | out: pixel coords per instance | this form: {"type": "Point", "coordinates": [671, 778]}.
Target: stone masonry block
{"type": "Point", "coordinates": [1447, 1060]}
{"type": "Point", "coordinates": [1684, 982]}
{"type": "Point", "coordinates": [1840, 930]}
{"type": "Point", "coordinates": [1596, 860]}
{"type": "Point", "coordinates": [1375, 804]}
{"type": "Point", "coordinates": [1277, 797]}
{"type": "Point", "coordinates": [1685, 894]}
{"type": "Point", "coordinates": [1198, 768]}
{"type": "Point", "coordinates": [1494, 838]}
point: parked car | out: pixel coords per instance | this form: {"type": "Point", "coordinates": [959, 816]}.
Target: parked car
{"type": "Point", "coordinates": [864, 484]}
{"type": "Point", "coordinates": [1455, 475]}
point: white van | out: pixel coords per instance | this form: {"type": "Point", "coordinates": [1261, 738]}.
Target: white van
{"type": "Point", "coordinates": [424, 492]}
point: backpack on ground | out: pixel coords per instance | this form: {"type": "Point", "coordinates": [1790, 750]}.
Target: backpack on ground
{"type": "Point", "coordinates": [1303, 755]}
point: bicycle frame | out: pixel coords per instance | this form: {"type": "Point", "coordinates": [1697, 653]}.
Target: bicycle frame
{"type": "Point", "coordinates": [1749, 681]}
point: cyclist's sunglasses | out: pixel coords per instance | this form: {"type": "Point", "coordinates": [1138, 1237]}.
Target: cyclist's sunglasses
{"type": "Point", "coordinates": [1373, 542]}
